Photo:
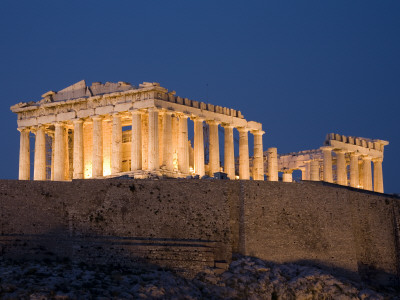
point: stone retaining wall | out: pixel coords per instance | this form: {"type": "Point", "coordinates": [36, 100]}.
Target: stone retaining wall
{"type": "Point", "coordinates": [190, 224]}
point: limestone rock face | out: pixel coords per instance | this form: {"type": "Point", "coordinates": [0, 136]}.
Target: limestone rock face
{"type": "Point", "coordinates": [247, 278]}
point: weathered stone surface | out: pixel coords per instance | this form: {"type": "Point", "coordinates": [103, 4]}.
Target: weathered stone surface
{"type": "Point", "coordinates": [193, 223]}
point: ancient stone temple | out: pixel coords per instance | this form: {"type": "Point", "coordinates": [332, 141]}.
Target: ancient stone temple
{"type": "Point", "coordinates": [343, 160]}
{"type": "Point", "coordinates": [116, 129]}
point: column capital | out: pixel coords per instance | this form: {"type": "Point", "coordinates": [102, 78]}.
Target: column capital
{"type": "Point", "coordinates": [212, 122]}
{"type": "Point", "coordinates": [137, 112]}
{"type": "Point", "coordinates": [77, 121]}
{"type": "Point", "coordinates": [243, 129]}
{"type": "Point", "coordinates": [366, 157]}
{"type": "Point", "coordinates": [152, 109]}
{"type": "Point", "coordinates": [341, 151]}
{"type": "Point", "coordinates": [377, 159]}
{"type": "Point", "coordinates": [22, 129]}
{"type": "Point", "coordinates": [354, 154]}
{"type": "Point", "coordinates": [59, 124]}
{"type": "Point", "coordinates": [257, 132]}
{"type": "Point", "coordinates": [97, 117]}
{"type": "Point", "coordinates": [197, 119]}
{"type": "Point", "coordinates": [182, 115]}
{"type": "Point", "coordinates": [226, 125]}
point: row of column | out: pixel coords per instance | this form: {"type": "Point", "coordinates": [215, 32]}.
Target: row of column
{"type": "Point", "coordinates": [360, 174]}
{"type": "Point", "coordinates": [169, 119]}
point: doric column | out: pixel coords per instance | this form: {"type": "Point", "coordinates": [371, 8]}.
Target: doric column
{"type": "Point", "coordinates": [272, 154]}
{"type": "Point", "coordinates": [183, 149]}
{"type": "Point", "coordinates": [354, 172]}
{"type": "Point", "coordinates": [258, 161]}
{"type": "Point", "coordinates": [175, 135]}
{"type": "Point", "coordinates": [244, 166]}
{"type": "Point", "coordinates": [198, 147]}
{"type": "Point", "coordinates": [39, 170]}
{"type": "Point", "coordinates": [314, 170]}
{"type": "Point", "coordinates": [160, 146]}
{"type": "Point", "coordinates": [153, 160]}
{"type": "Point", "coordinates": [59, 152]}
{"type": "Point", "coordinates": [378, 175]}
{"type": "Point", "coordinates": [97, 159]}
{"type": "Point", "coordinates": [229, 152]}
{"type": "Point", "coordinates": [214, 148]}
{"type": "Point", "coordinates": [24, 155]}
{"type": "Point", "coordinates": [303, 173]}
{"type": "Point", "coordinates": [136, 148]}
{"type": "Point", "coordinates": [287, 176]}
{"type": "Point", "coordinates": [116, 144]}
{"type": "Point", "coordinates": [327, 154]}
{"type": "Point", "coordinates": [341, 167]}
{"type": "Point", "coordinates": [167, 143]}
{"type": "Point", "coordinates": [307, 170]}
{"type": "Point", "coordinates": [78, 150]}
{"type": "Point", "coordinates": [367, 173]}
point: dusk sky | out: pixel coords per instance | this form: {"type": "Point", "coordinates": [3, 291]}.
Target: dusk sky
{"type": "Point", "coordinates": [301, 68]}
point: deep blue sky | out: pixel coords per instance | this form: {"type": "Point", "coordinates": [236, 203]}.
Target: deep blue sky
{"type": "Point", "coordinates": [301, 68]}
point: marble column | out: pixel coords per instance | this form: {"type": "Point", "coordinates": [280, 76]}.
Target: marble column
{"type": "Point", "coordinates": [229, 152]}
{"type": "Point", "coordinates": [24, 155]}
{"type": "Point", "coordinates": [307, 170]}
{"type": "Point", "coordinates": [287, 176]}
{"type": "Point", "coordinates": [258, 161]}
{"type": "Point", "coordinates": [367, 173]}
{"type": "Point", "coordinates": [153, 159]}
{"type": "Point", "coordinates": [327, 154]}
{"type": "Point", "coordinates": [97, 158]}
{"type": "Point", "coordinates": [59, 152]}
{"type": "Point", "coordinates": [272, 154]}
{"type": "Point", "coordinates": [341, 167]}
{"type": "Point", "coordinates": [183, 148]}
{"type": "Point", "coordinates": [244, 166]}
{"type": "Point", "coordinates": [175, 144]}
{"type": "Point", "coordinates": [354, 172]}
{"type": "Point", "coordinates": [39, 169]}
{"type": "Point", "coordinates": [136, 148]}
{"type": "Point", "coordinates": [314, 170]}
{"type": "Point", "coordinates": [78, 150]}
{"type": "Point", "coordinates": [198, 147]}
{"type": "Point", "coordinates": [214, 163]}
{"type": "Point", "coordinates": [167, 142]}
{"type": "Point", "coordinates": [161, 114]}
{"type": "Point", "coordinates": [378, 175]}
{"type": "Point", "coordinates": [303, 173]}
{"type": "Point", "coordinates": [116, 145]}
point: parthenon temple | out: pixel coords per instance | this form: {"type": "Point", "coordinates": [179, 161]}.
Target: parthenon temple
{"type": "Point", "coordinates": [115, 129]}
{"type": "Point", "coordinates": [343, 160]}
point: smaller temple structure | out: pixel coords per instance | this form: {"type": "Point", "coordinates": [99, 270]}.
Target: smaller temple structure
{"type": "Point", "coordinates": [343, 160]}
{"type": "Point", "coordinates": [114, 129]}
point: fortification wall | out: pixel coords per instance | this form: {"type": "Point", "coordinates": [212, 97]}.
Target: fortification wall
{"type": "Point", "coordinates": [190, 224]}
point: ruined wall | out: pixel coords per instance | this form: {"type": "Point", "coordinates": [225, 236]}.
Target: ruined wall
{"type": "Point", "coordinates": [189, 224]}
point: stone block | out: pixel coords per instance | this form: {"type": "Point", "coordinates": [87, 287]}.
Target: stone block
{"type": "Point", "coordinates": [85, 113]}
{"type": "Point", "coordinates": [179, 100]}
{"type": "Point", "coordinates": [66, 116]}
{"type": "Point", "coordinates": [46, 119]}
{"type": "Point", "coordinates": [121, 107]}
{"type": "Point", "coordinates": [104, 110]}
{"type": "Point", "coordinates": [27, 122]}
{"type": "Point", "coordinates": [187, 102]}
{"type": "Point", "coordinates": [195, 104]}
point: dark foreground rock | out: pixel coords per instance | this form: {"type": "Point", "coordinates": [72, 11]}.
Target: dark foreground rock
{"type": "Point", "coordinates": [246, 278]}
